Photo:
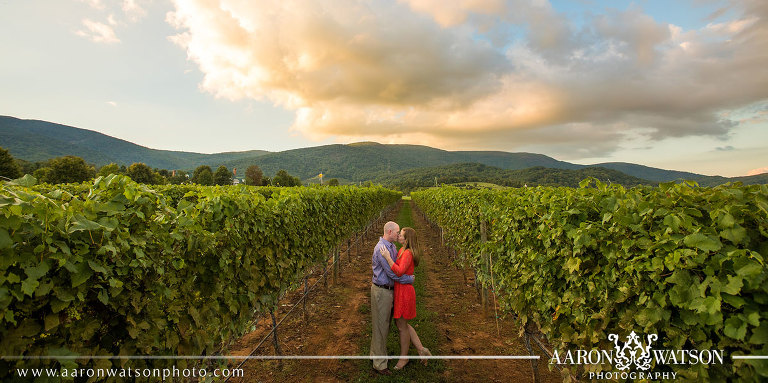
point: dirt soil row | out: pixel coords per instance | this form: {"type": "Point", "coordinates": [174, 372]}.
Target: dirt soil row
{"type": "Point", "coordinates": [338, 317]}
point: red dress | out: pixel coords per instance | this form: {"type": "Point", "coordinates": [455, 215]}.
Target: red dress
{"type": "Point", "coordinates": [405, 295]}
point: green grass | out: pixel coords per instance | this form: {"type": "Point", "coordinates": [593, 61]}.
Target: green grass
{"type": "Point", "coordinates": [424, 324]}
{"type": "Point", "coordinates": [405, 219]}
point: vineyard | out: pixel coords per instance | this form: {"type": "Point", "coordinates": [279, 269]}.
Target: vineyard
{"type": "Point", "coordinates": [677, 260]}
{"type": "Point", "coordinates": [114, 267]}
{"type": "Point", "coordinates": [117, 268]}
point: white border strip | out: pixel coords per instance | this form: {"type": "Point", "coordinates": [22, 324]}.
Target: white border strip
{"type": "Point", "coordinates": [749, 357]}
{"type": "Point", "coordinates": [301, 357]}
{"type": "Point", "coordinates": [269, 357]}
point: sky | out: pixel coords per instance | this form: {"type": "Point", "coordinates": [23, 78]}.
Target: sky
{"type": "Point", "coordinates": [680, 85]}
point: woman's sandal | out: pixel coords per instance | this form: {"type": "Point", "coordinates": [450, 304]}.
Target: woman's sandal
{"type": "Point", "coordinates": [424, 352]}
{"type": "Point", "coordinates": [399, 368]}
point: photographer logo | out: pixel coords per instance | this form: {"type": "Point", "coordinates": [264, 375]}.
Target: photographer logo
{"type": "Point", "coordinates": [635, 357]}
{"type": "Point", "coordinates": [633, 352]}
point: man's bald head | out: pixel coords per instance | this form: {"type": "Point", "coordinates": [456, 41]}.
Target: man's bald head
{"type": "Point", "coordinates": [391, 230]}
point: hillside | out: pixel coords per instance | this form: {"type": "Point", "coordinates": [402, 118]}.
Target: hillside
{"type": "Point", "coordinates": [660, 175]}
{"type": "Point", "coordinates": [33, 140]}
{"type": "Point", "coordinates": [718, 180]}
{"type": "Point", "coordinates": [369, 160]}
{"type": "Point", "coordinates": [373, 161]}
{"type": "Point", "coordinates": [408, 180]}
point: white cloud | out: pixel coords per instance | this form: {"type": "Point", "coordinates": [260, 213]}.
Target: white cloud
{"type": "Point", "coordinates": [97, 4]}
{"type": "Point", "coordinates": [304, 51]}
{"type": "Point", "coordinates": [640, 33]}
{"type": "Point", "coordinates": [416, 71]}
{"type": "Point", "coordinates": [757, 171]}
{"type": "Point", "coordinates": [128, 12]}
{"type": "Point", "coordinates": [133, 11]}
{"type": "Point", "coordinates": [98, 32]}
{"type": "Point", "coordinates": [452, 13]}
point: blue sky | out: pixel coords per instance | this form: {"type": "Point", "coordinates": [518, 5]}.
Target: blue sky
{"type": "Point", "coordinates": [689, 14]}
{"type": "Point", "coordinates": [675, 85]}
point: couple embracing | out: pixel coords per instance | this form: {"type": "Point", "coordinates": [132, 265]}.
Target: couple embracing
{"type": "Point", "coordinates": [393, 287]}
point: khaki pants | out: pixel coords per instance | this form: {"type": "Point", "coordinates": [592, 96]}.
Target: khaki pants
{"type": "Point", "coordinates": [381, 312]}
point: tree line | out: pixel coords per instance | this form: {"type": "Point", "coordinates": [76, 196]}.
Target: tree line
{"type": "Point", "coordinates": [68, 169]}
{"type": "Point", "coordinates": [413, 179]}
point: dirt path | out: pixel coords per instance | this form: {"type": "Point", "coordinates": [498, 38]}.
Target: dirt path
{"type": "Point", "coordinates": [339, 319]}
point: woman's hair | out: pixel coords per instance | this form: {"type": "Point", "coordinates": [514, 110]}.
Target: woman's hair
{"type": "Point", "coordinates": [412, 242]}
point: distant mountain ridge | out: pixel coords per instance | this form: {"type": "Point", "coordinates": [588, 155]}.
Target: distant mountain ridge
{"type": "Point", "coordinates": [369, 160]}
{"type": "Point", "coordinates": [650, 173]}
{"type": "Point", "coordinates": [34, 140]}
{"type": "Point", "coordinates": [411, 179]}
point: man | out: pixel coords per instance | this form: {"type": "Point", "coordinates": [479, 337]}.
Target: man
{"type": "Point", "coordinates": [382, 295]}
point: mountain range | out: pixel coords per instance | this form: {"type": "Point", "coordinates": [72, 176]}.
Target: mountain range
{"type": "Point", "coordinates": [34, 140]}
{"type": "Point", "coordinates": [474, 173]}
{"type": "Point", "coordinates": [37, 141]}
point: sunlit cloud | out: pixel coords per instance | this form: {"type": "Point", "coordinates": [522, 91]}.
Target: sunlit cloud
{"type": "Point", "coordinates": [455, 76]}
{"type": "Point", "coordinates": [98, 32]}
{"type": "Point", "coordinates": [452, 13]}
{"type": "Point", "coordinates": [133, 11]}
{"type": "Point", "coordinates": [97, 4]}
{"type": "Point", "coordinates": [757, 171]}
{"type": "Point", "coordinates": [128, 12]}
{"type": "Point", "coordinates": [112, 103]}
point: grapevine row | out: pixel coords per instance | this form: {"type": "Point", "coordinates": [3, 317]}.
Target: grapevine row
{"type": "Point", "coordinates": [118, 268]}
{"type": "Point", "coordinates": [684, 262]}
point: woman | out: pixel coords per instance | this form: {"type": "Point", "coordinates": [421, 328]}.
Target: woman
{"type": "Point", "coordinates": [405, 295]}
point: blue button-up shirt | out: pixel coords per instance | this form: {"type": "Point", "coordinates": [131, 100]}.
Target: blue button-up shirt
{"type": "Point", "coordinates": [382, 273]}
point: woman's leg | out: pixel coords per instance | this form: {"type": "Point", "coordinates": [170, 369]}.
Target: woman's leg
{"type": "Point", "coordinates": [414, 338]}
{"type": "Point", "coordinates": [405, 340]}
{"type": "Point", "coordinates": [423, 351]}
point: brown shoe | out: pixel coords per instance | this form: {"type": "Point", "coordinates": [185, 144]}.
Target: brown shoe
{"type": "Point", "coordinates": [383, 372]}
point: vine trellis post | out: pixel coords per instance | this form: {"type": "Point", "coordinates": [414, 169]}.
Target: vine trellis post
{"type": "Point", "coordinates": [349, 247]}
{"type": "Point", "coordinates": [278, 352]}
{"type": "Point", "coordinates": [534, 362]}
{"type": "Point", "coordinates": [304, 298]}
{"type": "Point", "coordinates": [335, 266]}
{"type": "Point", "coordinates": [483, 264]}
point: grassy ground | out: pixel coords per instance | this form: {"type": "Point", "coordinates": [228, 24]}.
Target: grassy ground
{"type": "Point", "coordinates": [424, 324]}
